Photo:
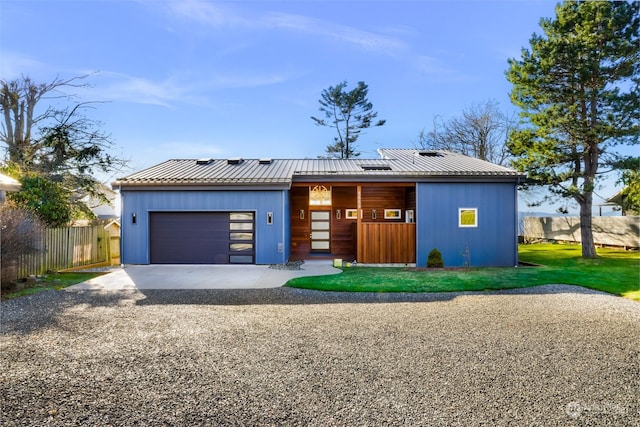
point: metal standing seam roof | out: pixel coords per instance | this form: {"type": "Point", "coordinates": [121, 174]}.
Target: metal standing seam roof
{"type": "Point", "coordinates": [393, 163]}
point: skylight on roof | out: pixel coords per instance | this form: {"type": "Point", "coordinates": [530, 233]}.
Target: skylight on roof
{"type": "Point", "coordinates": [204, 161]}
{"type": "Point", "coordinates": [376, 167]}
{"type": "Point", "coordinates": [430, 153]}
{"type": "Point", "coordinates": [235, 160]}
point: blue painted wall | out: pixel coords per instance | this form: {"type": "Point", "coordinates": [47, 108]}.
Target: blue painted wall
{"type": "Point", "coordinates": [272, 241]}
{"type": "Point", "coordinates": [492, 243]}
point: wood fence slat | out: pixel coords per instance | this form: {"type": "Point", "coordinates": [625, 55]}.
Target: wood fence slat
{"type": "Point", "coordinates": [62, 248]}
{"type": "Point", "coordinates": [387, 243]}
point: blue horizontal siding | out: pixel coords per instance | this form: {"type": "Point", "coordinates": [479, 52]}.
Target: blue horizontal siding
{"type": "Point", "coordinates": [492, 243]}
{"type": "Point", "coordinates": [272, 242]}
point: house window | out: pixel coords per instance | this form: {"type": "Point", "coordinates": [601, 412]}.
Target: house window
{"type": "Point", "coordinates": [468, 217]}
{"type": "Point", "coordinates": [320, 195]}
{"type": "Point", "coordinates": [392, 213]}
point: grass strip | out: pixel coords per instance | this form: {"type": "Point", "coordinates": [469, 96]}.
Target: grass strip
{"type": "Point", "coordinates": [615, 271]}
{"type": "Point", "coordinates": [53, 281]}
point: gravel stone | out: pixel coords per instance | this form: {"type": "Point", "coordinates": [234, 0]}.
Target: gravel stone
{"type": "Point", "coordinates": [542, 356]}
{"type": "Point", "coordinates": [290, 265]}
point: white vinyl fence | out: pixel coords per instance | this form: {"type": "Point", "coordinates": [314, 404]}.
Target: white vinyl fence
{"type": "Point", "coordinates": [623, 231]}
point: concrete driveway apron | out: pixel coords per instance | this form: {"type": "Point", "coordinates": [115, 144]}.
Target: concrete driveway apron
{"type": "Point", "coordinates": [202, 276]}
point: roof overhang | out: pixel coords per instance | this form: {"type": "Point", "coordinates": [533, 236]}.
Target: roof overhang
{"type": "Point", "coordinates": [199, 187]}
{"type": "Point", "coordinates": [408, 177]}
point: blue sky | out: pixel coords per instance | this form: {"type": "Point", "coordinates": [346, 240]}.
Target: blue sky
{"type": "Point", "coordinates": [190, 79]}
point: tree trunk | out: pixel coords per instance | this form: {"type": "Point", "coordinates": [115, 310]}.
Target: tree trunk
{"type": "Point", "coordinates": [586, 229]}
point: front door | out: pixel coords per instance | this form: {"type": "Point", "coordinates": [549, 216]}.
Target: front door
{"type": "Point", "coordinates": [320, 231]}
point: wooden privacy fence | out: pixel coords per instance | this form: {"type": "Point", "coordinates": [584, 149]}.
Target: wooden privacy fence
{"type": "Point", "coordinates": [64, 248]}
{"type": "Point", "coordinates": [387, 243]}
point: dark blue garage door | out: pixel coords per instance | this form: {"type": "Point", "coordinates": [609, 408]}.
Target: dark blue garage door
{"type": "Point", "coordinates": [202, 237]}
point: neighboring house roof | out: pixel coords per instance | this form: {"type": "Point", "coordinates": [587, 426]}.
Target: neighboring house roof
{"type": "Point", "coordinates": [8, 184]}
{"type": "Point", "coordinates": [617, 199]}
{"type": "Point", "coordinates": [394, 164]}
{"type": "Point", "coordinates": [100, 208]}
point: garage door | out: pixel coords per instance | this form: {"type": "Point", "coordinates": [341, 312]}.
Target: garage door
{"type": "Point", "coordinates": [201, 237]}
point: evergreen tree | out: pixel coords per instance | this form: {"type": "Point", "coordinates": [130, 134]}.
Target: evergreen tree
{"type": "Point", "coordinates": [349, 112]}
{"type": "Point", "coordinates": [577, 89]}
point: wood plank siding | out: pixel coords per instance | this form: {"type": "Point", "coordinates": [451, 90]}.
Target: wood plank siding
{"type": "Point", "coordinates": [380, 198]}
{"type": "Point", "coordinates": [382, 244]}
{"type": "Point", "coordinates": [300, 244]}
{"type": "Point", "coordinates": [387, 243]}
{"type": "Point", "coordinates": [343, 232]}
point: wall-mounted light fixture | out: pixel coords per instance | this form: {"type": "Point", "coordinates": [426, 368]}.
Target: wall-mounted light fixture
{"type": "Point", "coordinates": [133, 218]}
{"type": "Point", "coordinates": [374, 214]}
{"type": "Point", "coordinates": [269, 218]}
{"type": "Point", "coordinates": [338, 214]}
{"type": "Point", "coordinates": [301, 213]}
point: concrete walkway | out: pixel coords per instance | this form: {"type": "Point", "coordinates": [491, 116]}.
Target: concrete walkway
{"type": "Point", "coordinates": [202, 276]}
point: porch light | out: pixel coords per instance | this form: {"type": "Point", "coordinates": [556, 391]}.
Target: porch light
{"type": "Point", "coordinates": [301, 213]}
{"type": "Point", "coordinates": [338, 214]}
{"type": "Point", "coordinates": [133, 218]}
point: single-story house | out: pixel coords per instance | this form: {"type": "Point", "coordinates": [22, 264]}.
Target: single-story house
{"type": "Point", "coordinates": [391, 210]}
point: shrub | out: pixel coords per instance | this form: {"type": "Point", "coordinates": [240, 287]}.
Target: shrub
{"type": "Point", "coordinates": [47, 199]}
{"type": "Point", "coordinates": [434, 260]}
{"type": "Point", "coordinates": [20, 232]}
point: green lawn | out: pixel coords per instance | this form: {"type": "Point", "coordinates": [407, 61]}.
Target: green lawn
{"type": "Point", "coordinates": [55, 281]}
{"type": "Point", "coordinates": [616, 272]}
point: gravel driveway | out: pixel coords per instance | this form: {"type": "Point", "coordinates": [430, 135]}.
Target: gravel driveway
{"type": "Point", "coordinates": [551, 355]}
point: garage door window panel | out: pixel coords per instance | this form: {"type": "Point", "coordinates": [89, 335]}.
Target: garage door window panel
{"type": "Point", "coordinates": [238, 237]}
{"type": "Point", "coordinates": [241, 238]}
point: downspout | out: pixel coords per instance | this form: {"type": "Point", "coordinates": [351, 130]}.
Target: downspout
{"type": "Point", "coordinates": [122, 225]}
{"type": "Point", "coordinates": [415, 218]}
{"type": "Point", "coordinates": [359, 223]}
{"type": "Point", "coordinates": [285, 224]}
{"type": "Point", "coordinates": [517, 219]}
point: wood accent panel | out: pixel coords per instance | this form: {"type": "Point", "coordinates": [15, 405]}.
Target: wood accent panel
{"type": "Point", "coordinates": [343, 230]}
{"type": "Point", "coordinates": [410, 198]}
{"type": "Point", "coordinates": [344, 243]}
{"type": "Point", "coordinates": [381, 198]}
{"type": "Point", "coordinates": [387, 243]}
{"type": "Point", "coordinates": [299, 199]}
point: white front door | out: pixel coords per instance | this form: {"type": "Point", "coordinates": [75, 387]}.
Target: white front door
{"type": "Point", "coordinates": [320, 231]}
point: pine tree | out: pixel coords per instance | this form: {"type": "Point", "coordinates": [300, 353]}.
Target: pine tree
{"type": "Point", "coordinates": [577, 89]}
{"type": "Point", "coordinates": [349, 112]}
